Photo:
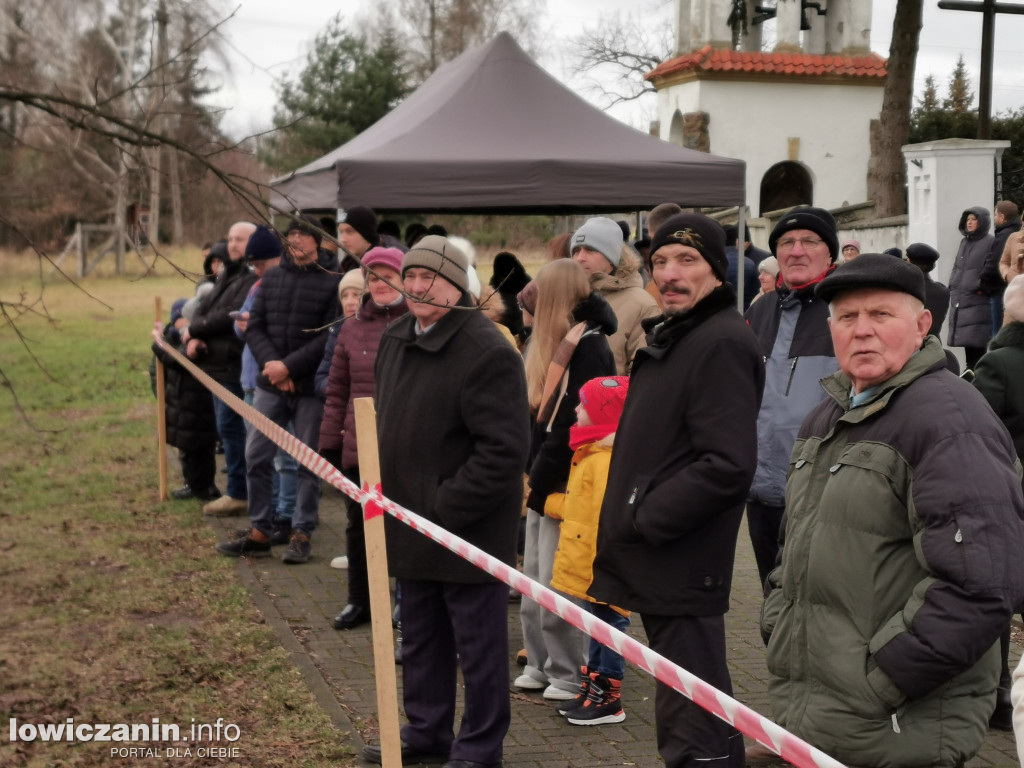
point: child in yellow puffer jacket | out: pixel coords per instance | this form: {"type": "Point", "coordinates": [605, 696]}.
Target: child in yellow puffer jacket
{"type": "Point", "coordinates": [579, 508]}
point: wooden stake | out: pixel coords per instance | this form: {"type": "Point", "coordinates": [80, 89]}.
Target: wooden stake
{"type": "Point", "coordinates": [161, 416]}
{"type": "Point", "coordinates": [380, 591]}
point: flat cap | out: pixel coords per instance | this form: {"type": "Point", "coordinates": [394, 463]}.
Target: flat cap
{"type": "Point", "coordinates": [873, 270]}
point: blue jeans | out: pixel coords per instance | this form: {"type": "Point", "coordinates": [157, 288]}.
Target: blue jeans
{"type": "Point", "coordinates": [602, 659]}
{"type": "Point", "coordinates": [304, 413]}
{"type": "Point", "coordinates": [995, 307]}
{"type": "Point", "coordinates": [286, 482]}
{"type": "Point", "coordinates": [231, 428]}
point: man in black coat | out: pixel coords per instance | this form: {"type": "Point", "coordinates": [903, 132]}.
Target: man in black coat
{"type": "Point", "coordinates": [211, 341]}
{"type": "Point", "coordinates": [1006, 218]}
{"type": "Point", "coordinates": [682, 463]}
{"type": "Point", "coordinates": [453, 436]}
{"type": "Point", "coordinates": [286, 333]}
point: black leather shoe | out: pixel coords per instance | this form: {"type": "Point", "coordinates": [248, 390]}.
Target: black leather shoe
{"type": "Point", "coordinates": [410, 754]}
{"type": "Point", "coordinates": [186, 492]}
{"type": "Point", "coordinates": [1002, 718]}
{"type": "Point", "coordinates": [351, 616]}
{"type": "Point", "coordinates": [183, 493]}
{"type": "Point", "coordinates": [469, 764]}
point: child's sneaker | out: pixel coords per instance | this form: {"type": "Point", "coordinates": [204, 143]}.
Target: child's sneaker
{"type": "Point", "coordinates": [569, 706]}
{"type": "Point", "coordinates": [603, 704]}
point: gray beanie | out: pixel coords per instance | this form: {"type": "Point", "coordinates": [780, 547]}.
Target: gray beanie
{"type": "Point", "coordinates": [599, 234]}
{"type": "Point", "coordinates": [437, 254]}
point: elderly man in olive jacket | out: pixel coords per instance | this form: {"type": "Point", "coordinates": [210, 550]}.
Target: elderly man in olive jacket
{"type": "Point", "coordinates": [683, 459]}
{"type": "Point", "coordinates": [900, 564]}
{"type": "Point", "coordinates": [453, 433]}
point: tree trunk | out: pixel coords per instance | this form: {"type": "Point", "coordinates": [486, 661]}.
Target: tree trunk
{"type": "Point", "coordinates": [177, 218]}
{"type": "Point", "coordinates": [887, 172]}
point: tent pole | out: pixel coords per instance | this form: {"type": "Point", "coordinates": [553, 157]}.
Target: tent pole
{"type": "Point", "coordinates": [741, 239]}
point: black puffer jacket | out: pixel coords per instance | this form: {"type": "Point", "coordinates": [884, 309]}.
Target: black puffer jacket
{"type": "Point", "coordinates": [289, 318]}
{"type": "Point", "coordinates": [551, 456]}
{"type": "Point", "coordinates": [212, 325]}
{"type": "Point", "coordinates": [188, 406]}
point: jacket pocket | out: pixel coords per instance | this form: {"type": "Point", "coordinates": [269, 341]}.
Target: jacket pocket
{"type": "Point", "coordinates": [642, 486]}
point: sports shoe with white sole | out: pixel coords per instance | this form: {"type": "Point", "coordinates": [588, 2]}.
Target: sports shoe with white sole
{"type": "Point", "coordinates": [527, 683]}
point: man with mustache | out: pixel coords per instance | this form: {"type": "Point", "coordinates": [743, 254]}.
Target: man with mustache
{"type": "Point", "coordinates": [681, 465]}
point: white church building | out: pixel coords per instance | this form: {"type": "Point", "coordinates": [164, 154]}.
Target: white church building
{"type": "Point", "coordinates": [799, 114]}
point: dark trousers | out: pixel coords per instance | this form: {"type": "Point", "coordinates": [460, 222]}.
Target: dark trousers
{"type": "Point", "coordinates": [972, 355]}
{"type": "Point", "coordinates": [199, 468]}
{"type": "Point", "coordinates": [764, 522]}
{"type": "Point", "coordinates": [689, 736]}
{"type": "Point", "coordinates": [358, 579]}
{"type": "Point", "coordinates": [444, 626]}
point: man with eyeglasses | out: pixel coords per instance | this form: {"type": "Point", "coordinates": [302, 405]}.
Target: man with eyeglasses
{"type": "Point", "coordinates": [792, 327]}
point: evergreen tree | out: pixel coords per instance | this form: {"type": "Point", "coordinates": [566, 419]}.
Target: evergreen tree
{"type": "Point", "coordinates": [960, 97]}
{"type": "Point", "coordinates": [930, 99]}
{"type": "Point", "coordinates": [954, 118]}
{"type": "Point", "coordinates": [347, 85]}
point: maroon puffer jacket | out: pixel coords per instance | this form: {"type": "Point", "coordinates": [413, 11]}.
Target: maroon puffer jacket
{"type": "Point", "coordinates": [352, 375]}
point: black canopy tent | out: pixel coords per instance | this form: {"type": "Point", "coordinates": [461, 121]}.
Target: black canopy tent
{"type": "Point", "coordinates": [492, 132]}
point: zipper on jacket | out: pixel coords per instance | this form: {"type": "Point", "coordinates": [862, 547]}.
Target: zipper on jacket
{"type": "Point", "coordinates": [792, 370]}
{"type": "Point", "coordinates": [895, 724]}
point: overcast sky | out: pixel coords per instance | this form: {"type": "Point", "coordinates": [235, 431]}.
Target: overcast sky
{"type": "Point", "coordinates": [267, 40]}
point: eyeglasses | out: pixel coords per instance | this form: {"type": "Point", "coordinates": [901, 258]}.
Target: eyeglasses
{"type": "Point", "coordinates": [787, 243]}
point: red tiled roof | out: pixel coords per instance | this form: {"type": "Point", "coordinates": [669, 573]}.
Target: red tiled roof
{"type": "Point", "coordinates": [709, 59]}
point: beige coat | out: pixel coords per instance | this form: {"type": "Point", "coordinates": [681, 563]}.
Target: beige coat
{"type": "Point", "coordinates": [624, 291]}
{"type": "Point", "coordinates": [1011, 263]}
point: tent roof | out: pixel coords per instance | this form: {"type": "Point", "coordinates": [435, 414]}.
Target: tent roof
{"type": "Point", "coordinates": [492, 132]}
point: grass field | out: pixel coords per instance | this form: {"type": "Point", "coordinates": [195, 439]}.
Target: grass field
{"type": "Point", "coordinates": [117, 608]}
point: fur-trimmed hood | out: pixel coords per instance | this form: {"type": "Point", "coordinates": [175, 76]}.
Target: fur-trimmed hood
{"type": "Point", "coordinates": [626, 275]}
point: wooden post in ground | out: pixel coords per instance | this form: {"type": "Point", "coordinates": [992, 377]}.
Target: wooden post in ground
{"type": "Point", "coordinates": [161, 415]}
{"type": "Point", "coordinates": [380, 591]}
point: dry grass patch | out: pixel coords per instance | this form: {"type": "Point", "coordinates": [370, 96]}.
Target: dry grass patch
{"type": "Point", "coordinates": [119, 610]}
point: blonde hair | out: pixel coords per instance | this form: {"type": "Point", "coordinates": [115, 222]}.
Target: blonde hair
{"type": "Point", "coordinates": [561, 285]}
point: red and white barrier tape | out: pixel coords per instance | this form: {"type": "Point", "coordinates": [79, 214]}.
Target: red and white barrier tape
{"type": "Point", "coordinates": [792, 749]}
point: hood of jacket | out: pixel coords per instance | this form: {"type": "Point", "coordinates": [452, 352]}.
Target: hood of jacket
{"type": "Point", "coordinates": [984, 223]}
{"type": "Point", "coordinates": [597, 313]}
{"type": "Point", "coordinates": [626, 275]}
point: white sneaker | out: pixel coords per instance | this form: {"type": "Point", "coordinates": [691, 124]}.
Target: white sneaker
{"type": "Point", "coordinates": [551, 693]}
{"type": "Point", "coordinates": [341, 563]}
{"type": "Point", "coordinates": [527, 683]}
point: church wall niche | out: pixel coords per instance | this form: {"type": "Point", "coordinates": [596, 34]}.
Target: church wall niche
{"type": "Point", "coordinates": [690, 130]}
{"type": "Point", "coordinates": [784, 185]}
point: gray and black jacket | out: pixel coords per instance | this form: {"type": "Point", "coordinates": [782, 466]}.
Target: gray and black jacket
{"type": "Point", "coordinates": [792, 329]}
